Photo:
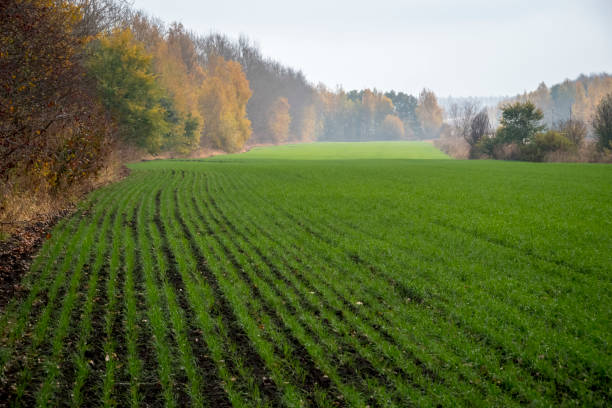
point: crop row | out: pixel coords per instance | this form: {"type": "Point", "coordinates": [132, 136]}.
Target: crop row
{"type": "Point", "coordinates": [215, 286]}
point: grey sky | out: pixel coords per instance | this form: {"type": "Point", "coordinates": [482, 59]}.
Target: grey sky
{"type": "Point", "coordinates": [458, 48]}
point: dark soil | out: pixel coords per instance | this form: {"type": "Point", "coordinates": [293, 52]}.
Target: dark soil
{"type": "Point", "coordinates": [25, 240]}
{"type": "Point", "coordinates": [16, 253]}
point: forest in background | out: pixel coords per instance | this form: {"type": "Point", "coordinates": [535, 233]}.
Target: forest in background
{"type": "Point", "coordinates": [90, 84]}
{"type": "Point", "coordinates": [570, 121]}
{"type": "Point", "coordinates": [571, 99]}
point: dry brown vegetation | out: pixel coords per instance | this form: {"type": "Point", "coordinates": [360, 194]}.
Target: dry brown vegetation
{"type": "Point", "coordinates": [455, 147]}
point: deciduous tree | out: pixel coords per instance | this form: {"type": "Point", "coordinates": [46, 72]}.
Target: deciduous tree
{"type": "Point", "coordinates": [279, 120]}
{"type": "Point", "coordinates": [602, 123]}
{"type": "Point", "coordinates": [392, 128]}
{"type": "Point", "coordinates": [224, 96]}
{"type": "Point", "coordinates": [310, 124]}
{"type": "Point", "coordinates": [462, 117]}
{"type": "Point", "coordinates": [181, 78]}
{"type": "Point", "coordinates": [429, 113]}
{"type": "Point", "coordinates": [129, 90]}
{"type": "Point", "coordinates": [519, 123]}
{"type": "Point", "coordinates": [479, 128]}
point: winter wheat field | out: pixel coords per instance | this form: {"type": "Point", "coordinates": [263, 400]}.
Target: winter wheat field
{"type": "Point", "coordinates": [328, 274]}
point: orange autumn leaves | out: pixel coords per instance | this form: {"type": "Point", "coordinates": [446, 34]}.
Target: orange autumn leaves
{"type": "Point", "coordinates": [223, 99]}
{"type": "Point", "coordinates": [168, 100]}
{"type": "Point", "coordinates": [213, 96]}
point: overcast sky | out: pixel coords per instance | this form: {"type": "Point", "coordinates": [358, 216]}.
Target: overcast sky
{"type": "Point", "coordinates": [458, 48]}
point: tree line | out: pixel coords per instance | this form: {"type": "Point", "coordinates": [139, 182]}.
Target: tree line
{"type": "Point", "coordinates": [571, 99]}
{"type": "Point", "coordinates": [373, 115]}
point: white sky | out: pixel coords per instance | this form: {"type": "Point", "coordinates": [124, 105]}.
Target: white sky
{"type": "Point", "coordinates": [459, 48]}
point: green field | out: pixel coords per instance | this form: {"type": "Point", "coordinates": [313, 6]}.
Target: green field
{"type": "Point", "coordinates": [330, 274]}
{"type": "Point", "coordinates": [343, 151]}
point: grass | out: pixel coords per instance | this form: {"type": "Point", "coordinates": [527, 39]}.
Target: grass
{"type": "Point", "coordinates": [329, 274]}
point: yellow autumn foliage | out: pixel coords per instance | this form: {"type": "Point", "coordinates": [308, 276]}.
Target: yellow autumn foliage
{"type": "Point", "coordinates": [279, 120]}
{"type": "Point", "coordinates": [224, 94]}
{"type": "Point", "coordinates": [181, 84]}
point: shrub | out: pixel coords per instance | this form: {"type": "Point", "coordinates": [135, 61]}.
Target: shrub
{"type": "Point", "coordinates": [545, 143]}
{"type": "Point", "coordinates": [553, 141]}
{"type": "Point", "coordinates": [485, 148]}
{"type": "Point", "coordinates": [54, 135]}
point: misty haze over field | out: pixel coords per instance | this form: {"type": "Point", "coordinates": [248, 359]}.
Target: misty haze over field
{"type": "Point", "coordinates": [468, 48]}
